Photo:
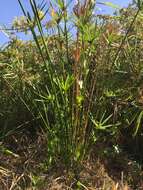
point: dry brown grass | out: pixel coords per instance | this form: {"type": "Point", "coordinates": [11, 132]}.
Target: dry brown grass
{"type": "Point", "coordinates": [24, 168]}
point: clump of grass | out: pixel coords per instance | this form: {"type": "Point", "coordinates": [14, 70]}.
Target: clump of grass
{"type": "Point", "coordinates": [66, 100]}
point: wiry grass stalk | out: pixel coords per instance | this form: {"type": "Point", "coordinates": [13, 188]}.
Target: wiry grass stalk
{"type": "Point", "coordinates": [126, 35]}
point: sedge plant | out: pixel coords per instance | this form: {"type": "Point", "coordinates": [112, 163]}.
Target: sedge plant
{"type": "Point", "coordinates": [65, 101]}
{"type": "Point", "coordinates": [75, 73]}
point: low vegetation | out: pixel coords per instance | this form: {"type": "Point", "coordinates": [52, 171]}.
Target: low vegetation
{"type": "Point", "coordinates": [71, 107]}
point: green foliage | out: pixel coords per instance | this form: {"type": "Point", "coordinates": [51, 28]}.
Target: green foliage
{"type": "Point", "coordinates": [78, 87]}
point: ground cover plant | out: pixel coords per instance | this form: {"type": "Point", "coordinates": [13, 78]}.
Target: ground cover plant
{"type": "Point", "coordinates": [71, 98]}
